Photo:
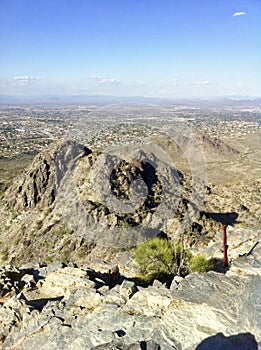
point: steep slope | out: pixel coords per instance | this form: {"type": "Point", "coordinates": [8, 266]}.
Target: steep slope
{"type": "Point", "coordinates": [38, 186]}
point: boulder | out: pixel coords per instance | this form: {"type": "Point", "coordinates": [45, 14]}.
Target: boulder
{"type": "Point", "coordinates": [158, 299]}
{"type": "Point", "coordinates": [114, 297]}
{"type": "Point", "coordinates": [174, 285]}
{"type": "Point", "coordinates": [84, 298]}
{"type": "Point", "coordinates": [63, 279]}
{"type": "Point", "coordinates": [117, 344]}
{"type": "Point", "coordinates": [127, 289]}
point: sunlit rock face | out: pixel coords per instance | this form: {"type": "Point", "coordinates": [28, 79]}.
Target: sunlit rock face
{"type": "Point", "coordinates": [73, 308]}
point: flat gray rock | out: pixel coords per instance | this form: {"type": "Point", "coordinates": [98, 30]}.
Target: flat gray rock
{"type": "Point", "coordinates": [204, 311]}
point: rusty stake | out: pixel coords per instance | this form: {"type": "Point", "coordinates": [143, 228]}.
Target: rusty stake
{"type": "Point", "coordinates": [225, 246]}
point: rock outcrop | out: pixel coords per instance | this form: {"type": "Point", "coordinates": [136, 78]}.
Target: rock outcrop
{"type": "Point", "coordinates": [39, 185]}
{"type": "Point", "coordinates": [73, 308]}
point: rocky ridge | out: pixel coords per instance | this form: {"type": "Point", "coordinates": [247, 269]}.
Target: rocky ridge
{"type": "Point", "coordinates": [70, 196]}
{"type": "Point", "coordinates": [67, 307]}
{"type": "Point", "coordinates": [68, 185]}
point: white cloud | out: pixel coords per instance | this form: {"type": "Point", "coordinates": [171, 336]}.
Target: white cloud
{"type": "Point", "coordinates": [109, 81]}
{"type": "Point", "coordinates": [236, 14]}
{"type": "Point", "coordinates": [104, 80]}
{"type": "Point", "coordinates": [23, 80]}
{"type": "Point", "coordinates": [27, 77]}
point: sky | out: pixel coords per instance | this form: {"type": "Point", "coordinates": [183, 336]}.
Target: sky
{"type": "Point", "coordinates": [159, 48]}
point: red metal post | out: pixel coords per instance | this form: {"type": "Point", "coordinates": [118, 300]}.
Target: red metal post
{"type": "Point", "coordinates": [225, 246]}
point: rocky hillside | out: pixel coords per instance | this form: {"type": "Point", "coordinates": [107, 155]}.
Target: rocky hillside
{"type": "Point", "coordinates": [68, 281]}
{"type": "Point", "coordinates": [65, 307]}
{"type": "Point", "coordinates": [70, 196]}
{"type": "Point", "coordinates": [215, 146]}
{"type": "Point", "coordinates": [74, 204]}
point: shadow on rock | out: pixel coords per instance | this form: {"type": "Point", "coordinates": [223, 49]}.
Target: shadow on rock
{"type": "Point", "coordinates": [223, 218]}
{"type": "Point", "coordinates": [242, 341]}
{"type": "Point", "coordinates": [38, 304]}
{"type": "Point", "coordinates": [110, 278]}
{"type": "Point", "coordinates": [217, 265]}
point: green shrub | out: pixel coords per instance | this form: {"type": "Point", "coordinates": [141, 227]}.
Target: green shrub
{"type": "Point", "coordinates": [161, 259]}
{"type": "Point", "coordinates": [63, 232]}
{"type": "Point", "coordinates": [65, 256]}
{"type": "Point", "coordinates": [4, 254]}
{"type": "Point", "coordinates": [56, 221]}
{"type": "Point", "coordinates": [154, 257]}
{"type": "Point", "coordinates": [199, 263]}
{"type": "Point", "coordinates": [49, 259]}
{"type": "Point", "coordinates": [39, 224]}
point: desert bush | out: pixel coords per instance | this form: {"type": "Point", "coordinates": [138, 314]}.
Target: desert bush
{"type": "Point", "coordinates": [161, 259]}
{"type": "Point", "coordinates": [199, 263]}
{"type": "Point", "coordinates": [154, 256]}
{"type": "Point", "coordinates": [49, 259]}
{"type": "Point", "coordinates": [56, 221]}
{"type": "Point", "coordinates": [63, 232]}
{"type": "Point", "coordinates": [39, 224]}
{"type": "Point", "coordinates": [4, 254]}
{"type": "Point", "coordinates": [66, 255]}
{"type": "Point", "coordinates": [2, 338]}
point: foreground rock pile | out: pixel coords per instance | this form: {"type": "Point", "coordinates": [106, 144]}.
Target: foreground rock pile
{"type": "Point", "coordinates": [66, 307]}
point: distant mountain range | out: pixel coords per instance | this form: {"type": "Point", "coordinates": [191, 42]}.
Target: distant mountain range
{"type": "Point", "coordinates": [107, 99]}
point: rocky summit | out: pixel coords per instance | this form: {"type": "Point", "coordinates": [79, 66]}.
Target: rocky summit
{"type": "Point", "coordinates": [66, 307]}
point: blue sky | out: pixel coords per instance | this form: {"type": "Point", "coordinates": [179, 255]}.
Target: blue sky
{"type": "Point", "coordinates": [163, 48]}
